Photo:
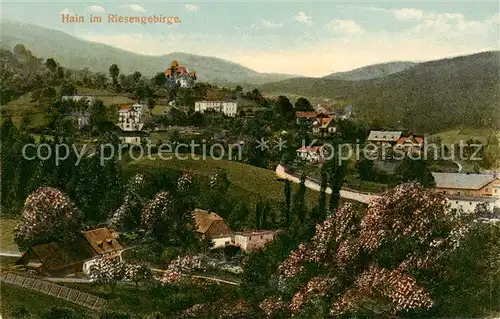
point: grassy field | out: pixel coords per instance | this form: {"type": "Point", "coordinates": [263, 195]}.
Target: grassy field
{"type": "Point", "coordinates": [455, 136]}
{"type": "Point", "coordinates": [36, 303]}
{"type": "Point", "coordinates": [128, 299]}
{"type": "Point", "coordinates": [7, 244]}
{"type": "Point", "coordinates": [248, 183]}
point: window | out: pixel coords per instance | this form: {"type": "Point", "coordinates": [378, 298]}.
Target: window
{"type": "Point", "coordinates": [261, 237]}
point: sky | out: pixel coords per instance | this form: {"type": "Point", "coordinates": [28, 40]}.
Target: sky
{"type": "Point", "coordinates": [295, 37]}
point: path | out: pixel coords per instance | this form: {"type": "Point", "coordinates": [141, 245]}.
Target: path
{"type": "Point", "coordinates": [235, 283]}
{"type": "Point", "coordinates": [10, 254]}
{"type": "Point", "coordinates": [315, 185]}
{"type": "Point", "coordinates": [460, 167]}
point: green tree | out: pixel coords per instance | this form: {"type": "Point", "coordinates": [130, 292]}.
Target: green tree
{"type": "Point", "coordinates": [288, 201]}
{"type": "Point", "coordinates": [159, 79]}
{"type": "Point", "coordinates": [51, 64]}
{"type": "Point", "coordinates": [114, 71]}
{"type": "Point", "coordinates": [284, 107]}
{"type": "Point", "coordinates": [303, 105]}
{"type": "Point", "coordinates": [413, 170]}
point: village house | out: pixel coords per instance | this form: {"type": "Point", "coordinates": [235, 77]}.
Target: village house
{"type": "Point", "coordinates": [410, 144]}
{"type": "Point", "coordinates": [250, 241]}
{"type": "Point", "coordinates": [311, 154]}
{"type": "Point", "coordinates": [324, 126]}
{"type": "Point", "coordinates": [103, 243]}
{"type": "Point", "coordinates": [468, 184]}
{"type": "Point", "coordinates": [384, 137]}
{"type": "Point", "coordinates": [72, 257]}
{"type": "Point", "coordinates": [306, 118]}
{"type": "Point", "coordinates": [130, 117]}
{"type": "Point", "coordinates": [56, 258]}
{"type": "Point", "coordinates": [211, 226]}
{"type": "Point", "coordinates": [228, 108]}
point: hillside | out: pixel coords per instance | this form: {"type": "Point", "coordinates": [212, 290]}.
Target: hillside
{"type": "Point", "coordinates": [76, 53]}
{"type": "Point", "coordinates": [372, 71]}
{"type": "Point", "coordinates": [431, 96]}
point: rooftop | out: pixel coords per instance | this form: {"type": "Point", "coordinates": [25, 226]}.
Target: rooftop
{"type": "Point", "coordinates": [462, 180]}
{"type": "Point", "coordinates": [102, 240]}
{"type": "Point", "coordinates": [384, 136]}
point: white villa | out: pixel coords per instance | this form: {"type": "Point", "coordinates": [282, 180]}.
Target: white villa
{"type": "Point", "coordinates": [227, 108]}
{"type": "Point", "coordinates": [130, 117]}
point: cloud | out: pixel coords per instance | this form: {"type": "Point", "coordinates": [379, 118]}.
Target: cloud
{"type": "Point", "coordinates": [134, 7]}
{"type": "Point", "coordinates": [191, 7]}
{"type": "Point", "coordinates": [407, 14]}
{"type": "Point", "coordinates": [301, 17]}
{"type": "Point", "coordinates": [67, 11]}
{"type": "Point", "coordinates": [95, 9]}
{"type": "Point", "coordinates": [269, 24]}
{"type": "Point", "coordinates": [345, 27]}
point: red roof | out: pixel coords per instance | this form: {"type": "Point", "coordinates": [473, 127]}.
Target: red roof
{"type": "Point", "coordinates": [306, 114]}
{"type": "Point", "coordinates": [417, 139]}
{"type": "Point", "coordinates": [310, 149]}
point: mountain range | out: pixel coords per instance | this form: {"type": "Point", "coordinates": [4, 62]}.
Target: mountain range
{"type": "Point", "coordinates": [427, 97]}
{"type": "Point", "coordinates": [75, 53]}
{"type": "Point", "coordinates": [372, 71]}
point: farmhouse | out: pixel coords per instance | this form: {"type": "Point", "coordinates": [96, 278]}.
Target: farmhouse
{"type": "Point", "coordinates": [211, 226]}
{"type": "Point", "coordinates": [467, 184]}
{"type": "Point", "coordinates": [56, 258]}
{"type": "Point", "coordinates": [81, 112]}
{"type": "Point", "coordinates": [66, 258]}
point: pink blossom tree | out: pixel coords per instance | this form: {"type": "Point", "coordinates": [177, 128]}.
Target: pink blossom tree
{"type": "Point", "coordinates": [48, 215]}
{"type": "Point", "coordinates": [370, 262]}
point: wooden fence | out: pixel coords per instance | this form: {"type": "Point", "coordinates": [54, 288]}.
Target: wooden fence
{"type": "Point", "coordinates": [72, 295]}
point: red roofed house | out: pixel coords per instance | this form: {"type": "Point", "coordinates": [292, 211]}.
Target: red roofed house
{"type": "Point", "coordinates": [324, 126]}
{"type": "Point", "coordinates": [306, 117]}
{"type": "Point", "coordinates": [212, 226]}
{"type": "Point", "coordinates": [410, 144]}
{"type": "Point", "coordinates": [312, 154]}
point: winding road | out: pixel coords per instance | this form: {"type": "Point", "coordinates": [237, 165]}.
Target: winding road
{"type": "Point", "coordinates": [315, 185]}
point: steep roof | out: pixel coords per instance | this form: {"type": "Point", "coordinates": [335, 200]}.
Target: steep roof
{"type": "Point", "coordinates": [205, 220]}
{"type": "Point", "coordinates": [102, 240]}
{"type": "Point", "coordinates": [384, 136]}
{"type": "Point", "coordinates": [325, 122]}
{"type": "Point", "coordinates": [57, 256]}
{"type": "Point", "coordinates": [462, 181]}
{"type": "Point", "coordinates": [310, 149]}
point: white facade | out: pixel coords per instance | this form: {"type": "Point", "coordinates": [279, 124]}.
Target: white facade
{"type": "Point", "coordinates": [469, 204]}
{"type": "Point", "coordinates": [222, 241]}
{"type": "Point", "coordinates": [130, 118]}
{"type": "Point", "coordinates": [249, 241]}
{"type": "Point", "coordinates": [227, 108]}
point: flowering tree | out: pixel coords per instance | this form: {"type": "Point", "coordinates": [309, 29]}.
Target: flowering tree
{"type": "Point", "coordinates": [370, 263]}
{"type": "Point", "coordinates": [169, 217]}
{"type": "Point", "coordinates": [137, 273]}
{"type": "Point", "coordinates": [127, 215]}
{"type": "Point", "coordinates": [181, 266]}
{"type": "Point", "coordinates": [105, 271]}
{"type": "Point", "coordinates": [48, 215]}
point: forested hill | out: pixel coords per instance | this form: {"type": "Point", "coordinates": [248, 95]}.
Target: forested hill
{"type": "Point", "coordinates": [429, 97]}
{"type": "Point", "coordinates": [75, 53]}
{"type": "Point", "coordinates": [372, 71]}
